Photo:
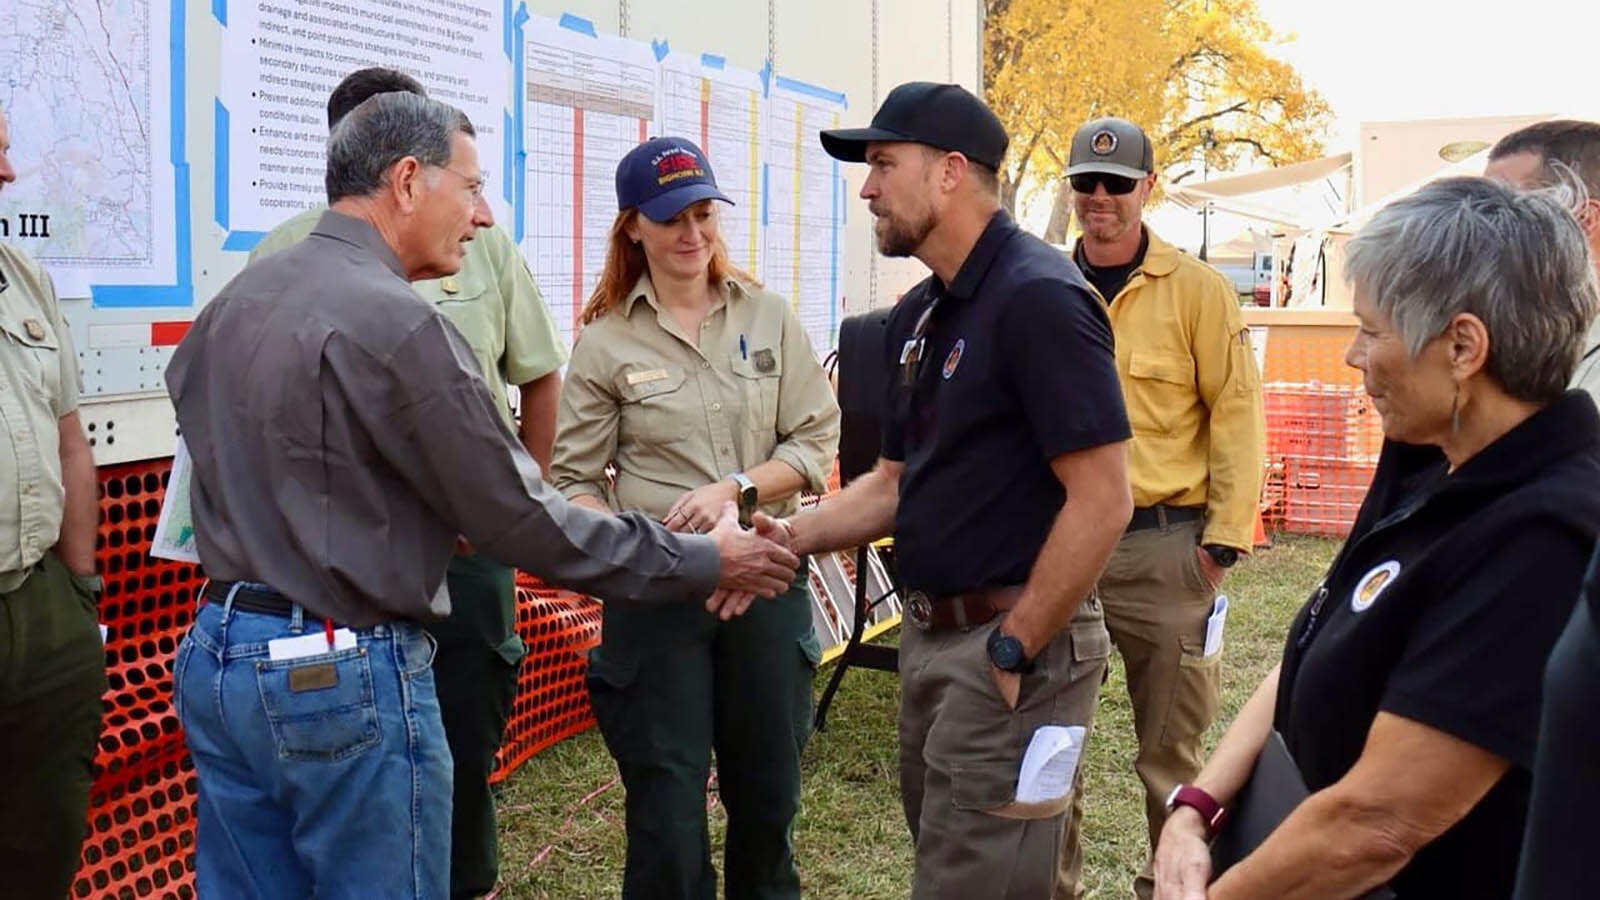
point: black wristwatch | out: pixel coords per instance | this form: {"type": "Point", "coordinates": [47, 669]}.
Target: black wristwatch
{"type": "Point", "coordinates": [747, 497]}
{"type": "Point", "coordinates": [1222, 556]}
{"type": "Point", "coordinates": [1006, 653]}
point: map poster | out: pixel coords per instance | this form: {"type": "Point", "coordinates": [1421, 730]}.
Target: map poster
{"type": "Point", "coordinates": [589, 99]}
{"type": "Point", "coordinates": [281, 59]}
{"type": "Point", "coordinates": [724, 111]}
{"type": "Point", "coordinates": [94, 199]}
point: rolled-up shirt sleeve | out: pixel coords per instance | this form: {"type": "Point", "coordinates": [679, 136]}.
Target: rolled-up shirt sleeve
{"type": "Point", "coordinates": [586, 426]}
{"type": "Point", "coordinates": [447, 440]}
{"type": "Point", "coordinates": [808, 414]}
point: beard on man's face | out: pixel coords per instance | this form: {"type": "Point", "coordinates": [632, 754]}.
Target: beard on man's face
{"type": "Point", "coordinates": [899, 236]}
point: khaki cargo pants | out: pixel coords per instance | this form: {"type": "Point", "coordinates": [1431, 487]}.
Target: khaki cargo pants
{"type": "Point", "coordinates": [961, 749]}
{"type": "Point", "coordinates": [1157, 601]}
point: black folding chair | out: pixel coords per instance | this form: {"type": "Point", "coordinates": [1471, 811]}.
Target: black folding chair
{"type": "Point", "coordinates": [864, 379]}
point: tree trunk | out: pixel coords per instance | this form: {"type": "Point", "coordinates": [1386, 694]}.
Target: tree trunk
{"type": "Point", "coordinates": [1008, 194]}
{"type": "Point", "coordinates": [1060, 214]}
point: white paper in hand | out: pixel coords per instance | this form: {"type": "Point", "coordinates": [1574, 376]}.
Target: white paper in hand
{"type": "Point", "coordinates": [1050, 763]}
{"type": "Point", "coordinates": [174, 538]}
{"type": "Point", "coordinates": [1214, 624]}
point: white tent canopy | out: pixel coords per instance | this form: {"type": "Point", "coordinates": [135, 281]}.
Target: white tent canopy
{"type": "Point", "coordinates": [1288, 196]}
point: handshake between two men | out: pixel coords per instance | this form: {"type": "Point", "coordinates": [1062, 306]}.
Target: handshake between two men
{"type": "Point", "coordinates": [753, 563]}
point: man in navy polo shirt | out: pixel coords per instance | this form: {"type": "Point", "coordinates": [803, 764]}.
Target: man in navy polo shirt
{"type": "Point", "coordinates": [1004, 481]}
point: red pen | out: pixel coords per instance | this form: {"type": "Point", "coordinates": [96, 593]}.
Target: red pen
{"type": "Point", "coordinates": [327, 629]}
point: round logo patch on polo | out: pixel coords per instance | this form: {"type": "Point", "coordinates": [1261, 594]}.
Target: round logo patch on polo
{"type": "Point", "coordinates": [954, 359]}
{"type": "Point", "coordinates": [1372, 584]}
{"type": "Point", "coordinates": [1104, 143]}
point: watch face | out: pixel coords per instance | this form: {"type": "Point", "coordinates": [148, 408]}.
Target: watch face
{"type": "Point", "coordinates": [1005, 651]}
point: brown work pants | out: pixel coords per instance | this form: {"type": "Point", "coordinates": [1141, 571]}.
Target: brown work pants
{"type": "Point", "coordinates": [961, 749]}
{"type": "Point", "coordinates": [1157, 601]}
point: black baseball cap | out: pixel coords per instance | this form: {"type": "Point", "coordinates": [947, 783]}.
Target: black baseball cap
{"type": "Point", "coordinates": [944, 116]}
{"type": "Point", "coordinates": [664, 175]}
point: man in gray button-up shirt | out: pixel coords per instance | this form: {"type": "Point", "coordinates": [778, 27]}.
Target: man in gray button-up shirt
{"type": "Point", "coordinates": [343, 436]}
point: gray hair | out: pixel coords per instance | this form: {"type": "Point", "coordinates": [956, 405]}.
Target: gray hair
{"type": "Point", "coordinates": [1516, 260]}
{"type": "Point", "coordinates": [381, 131]}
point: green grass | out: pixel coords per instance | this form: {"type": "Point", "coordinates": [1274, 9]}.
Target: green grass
{"type": "Point", "coordinates": [851, 838]}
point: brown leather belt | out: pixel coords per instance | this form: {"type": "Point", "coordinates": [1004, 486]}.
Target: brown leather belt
{"type": "Point", "coordinates": [254, 598]}
{"type": "Point", "coordinates": [960, 612]}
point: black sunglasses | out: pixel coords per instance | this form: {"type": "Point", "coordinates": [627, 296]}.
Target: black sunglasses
{"type": "Point", "coordinates": [1116, 185]}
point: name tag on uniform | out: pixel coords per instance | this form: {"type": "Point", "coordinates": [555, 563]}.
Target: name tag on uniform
{"type": "Point", "coordinates": [310, 645]}
{"type": "Point", "coordinates": [646, 377]}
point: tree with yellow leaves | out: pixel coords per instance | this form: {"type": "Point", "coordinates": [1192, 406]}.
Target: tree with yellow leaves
{"type": "Point", "coordinates": [1195, 74]}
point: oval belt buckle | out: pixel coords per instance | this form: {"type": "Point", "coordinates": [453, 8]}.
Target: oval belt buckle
{"type": "Point", "coordinates": [921, 609]}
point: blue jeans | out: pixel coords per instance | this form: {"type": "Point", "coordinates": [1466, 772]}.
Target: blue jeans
{"type": "Point", "coordinates": [323, 776]}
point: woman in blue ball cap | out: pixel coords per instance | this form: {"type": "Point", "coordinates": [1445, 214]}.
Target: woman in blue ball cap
{"type": "Point", "coordinates": [691, 386]}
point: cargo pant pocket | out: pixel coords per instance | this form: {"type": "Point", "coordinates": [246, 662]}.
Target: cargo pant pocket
{"type": "Point", "coordinates": [320, 708]}
{"type": "Point", "coordinates": [610, 682]}
{"type": "Point", "coordinates": [1195, 695]}
{"type": "Point", "coordinates": [992, 788]}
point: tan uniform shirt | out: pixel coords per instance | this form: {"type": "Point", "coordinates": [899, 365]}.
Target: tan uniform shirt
{"type": "Point", "coordinates": [674, 415]}
{"type": "Point", "coordinates": [343, 437]}
{"type": "Point", "coordinates": [38, 385]}
{"type": "Point", "coordinates": [493, 300]}
{"type": "Point", "coordinates": [1193, 392]}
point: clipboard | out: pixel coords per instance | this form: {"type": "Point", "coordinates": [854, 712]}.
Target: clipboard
{"type": "Point", "coordinates": [1274, 790]}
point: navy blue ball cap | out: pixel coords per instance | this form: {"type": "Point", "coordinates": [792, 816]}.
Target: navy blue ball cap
{"type": "Point", "coordinates": [664, 175]}
{"type": "Point", "coordinates": [943, 116]}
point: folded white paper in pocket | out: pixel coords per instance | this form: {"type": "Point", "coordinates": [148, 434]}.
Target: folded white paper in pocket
{"type": "Point", "coordinates": [310, 644]}
{"type": "Point", "coordinates": [1214, 624]}
{"type": "Point", "coordinates": [1049, 763]}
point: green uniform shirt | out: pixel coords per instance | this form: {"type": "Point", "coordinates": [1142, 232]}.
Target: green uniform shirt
{"type": "Point", "coordinates": [492, 301]}
{"type": "Point", "coordinates": [673, 415]}
{"type": "Point", "coordinates": [38, 385]}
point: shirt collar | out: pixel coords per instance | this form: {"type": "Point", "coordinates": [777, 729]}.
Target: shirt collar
{"type": "Point", "coordinates": [643, 289]}
{"type": "Point", "coordinates": [970, 276]}
{"type": "Point", "coordinates": [359, 233]}
{"type": "Point", "coordinates": [1160, 257]}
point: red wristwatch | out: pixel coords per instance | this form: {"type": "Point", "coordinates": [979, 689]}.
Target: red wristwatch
{"type": "Point", "coordinates": [1211, 812]}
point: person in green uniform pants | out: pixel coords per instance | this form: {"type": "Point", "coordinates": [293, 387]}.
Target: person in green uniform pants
{"type": "Point", "coordinates": [496, 306]}
{"type": "Point", "coordinates": [52, 663]}
{"type": "Point", "coordinates": [695, 386]}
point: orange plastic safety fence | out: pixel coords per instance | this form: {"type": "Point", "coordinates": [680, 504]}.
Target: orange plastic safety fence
{"type": "Point", "coordinates": [1303, 356]}
{"type": "Point", "coordinates": [141, 808]}
{"type": "Point", "coordinates": [1323, 434]}
{"type": "Point", "coordinates": [559, 628]}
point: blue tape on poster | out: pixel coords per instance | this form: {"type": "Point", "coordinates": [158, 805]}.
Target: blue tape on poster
{"type": "Point", "coordinates": [507, 181]}
{"type": "Point", "coordinates": [811, 90]}
{"type": "Point", "coordinates": [511, 30]}
{"type": "Point", "coordinates": [712, 61]}
{"type": "Point", "coordinates": [219, 11]}
{"type": "Point", "coordinates": [661, 49]}
{"type": "Point", "coordinates": [219, 159]}
{"type": "Point", "coordinates": [243, 241]}
{"type": "Point", "coordinates": [182, 293]}
{"type": "Point", "coordinates": [578, 24]}
{"type": "Point", "coordinates": [766, 78]}
{"type": "Point", "coordinates": [518, 139]}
